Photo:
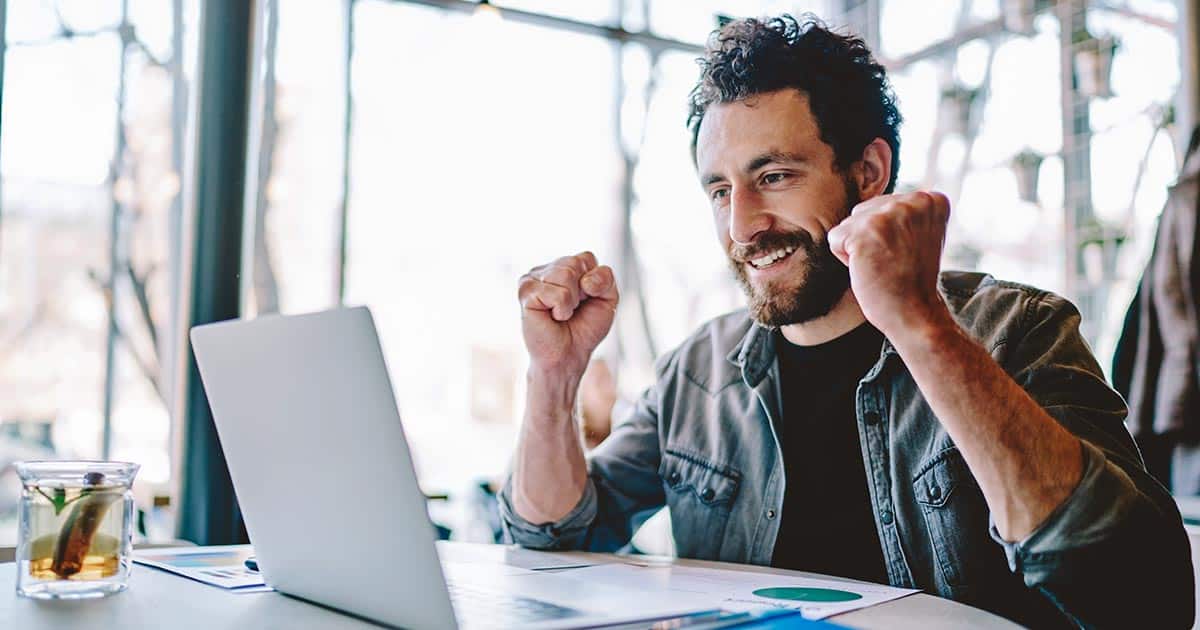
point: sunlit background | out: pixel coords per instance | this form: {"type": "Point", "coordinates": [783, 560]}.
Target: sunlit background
{"type": "Point", "coordinates": [482, 142]}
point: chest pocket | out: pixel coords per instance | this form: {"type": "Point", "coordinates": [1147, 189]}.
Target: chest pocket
{"type": "Point", "coordinates": [956, 516]}
{"type": "Point", "coordinates": [700, 494]}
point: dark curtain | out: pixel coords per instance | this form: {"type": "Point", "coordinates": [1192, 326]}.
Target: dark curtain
{"type": "Point", "coordinates": [208, 508]}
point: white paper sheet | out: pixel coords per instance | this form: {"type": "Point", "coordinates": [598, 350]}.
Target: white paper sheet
{"type": "Point", "coordinates": [242, 590]}
{"type": "Point", "coordinates": [219, 566]}
{"type": "Point", "coordinates": [736, 590]}
{"type": "Point", "coordinates": [514, 556]}
{"type": "Point", "coordinates": [481, 570]}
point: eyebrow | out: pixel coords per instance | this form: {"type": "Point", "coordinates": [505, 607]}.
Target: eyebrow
{"type": "Point", "coordinates": [781, 157]}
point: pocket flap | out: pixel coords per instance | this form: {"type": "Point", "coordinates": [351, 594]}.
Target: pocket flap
{"type": "Point", "coordinates": [940, 476]}
{"type": "Point", "coordinates": [685, 471]}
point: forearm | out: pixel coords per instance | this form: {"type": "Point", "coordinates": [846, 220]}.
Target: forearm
{"type": "Point", "coordinates": [549, 471]}
{"type": "Point", "coordinates": [1026, 463]}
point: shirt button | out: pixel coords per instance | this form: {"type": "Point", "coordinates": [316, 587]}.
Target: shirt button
{"type": "Point", "coordinates": [708, 494]}
{"type": "Point", "coordinates": [871, 417]}
{"type": "Point", "coordinates": [935, 492]}
{"type": "Point", "coordinates": [673, 478]}
{"type": "Point", "coordinates": [886, 517]}
{"type": "Point", "coordinates": [770, 514]}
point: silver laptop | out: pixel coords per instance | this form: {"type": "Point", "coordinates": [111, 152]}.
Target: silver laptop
{"type": "Point", "coordinates": [307, 419]}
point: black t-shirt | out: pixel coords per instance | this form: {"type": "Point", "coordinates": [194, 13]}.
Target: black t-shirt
{"type": "Point", "coordinates": [827, 523]}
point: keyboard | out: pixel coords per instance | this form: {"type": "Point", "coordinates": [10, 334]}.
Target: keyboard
{"type": "Point", "coordinates": [478, 607]}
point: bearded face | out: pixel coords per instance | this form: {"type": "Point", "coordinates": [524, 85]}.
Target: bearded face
{"type": "Point", "coordinates": [790, 277]}
{"type": "Point", "coordinates": [776, 188]}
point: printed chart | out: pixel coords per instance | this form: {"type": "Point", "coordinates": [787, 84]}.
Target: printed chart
{"type": "Point", "coordinates": [736, 590]}
{"type": "Point", "coordinates": [219, 566]}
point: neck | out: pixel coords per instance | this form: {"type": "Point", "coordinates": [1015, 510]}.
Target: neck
{"type": "Point", "coordinates": [845, 316]}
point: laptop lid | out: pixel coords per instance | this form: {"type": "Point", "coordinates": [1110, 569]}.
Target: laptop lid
{"type": "Point", "coordinates": [307, 419]}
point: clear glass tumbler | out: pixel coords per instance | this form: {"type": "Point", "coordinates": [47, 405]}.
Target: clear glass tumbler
{"type": "Point", "coordinates": [76, 528]}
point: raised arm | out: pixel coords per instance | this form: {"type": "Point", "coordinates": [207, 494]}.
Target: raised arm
{"type": "Point", "coordinates": [1070, 501]}
{"type": "Point", "coordinates": [567, 308]}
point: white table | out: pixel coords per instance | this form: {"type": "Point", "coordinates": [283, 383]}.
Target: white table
{"type": "Point", "coordinates": [157, 599]}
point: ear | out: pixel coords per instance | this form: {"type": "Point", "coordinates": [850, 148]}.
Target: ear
{"type": "Point", "coordinates": [874, 170]}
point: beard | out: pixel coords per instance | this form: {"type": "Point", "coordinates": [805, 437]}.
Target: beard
{"type": "Point", "coordinates": [794, 300]}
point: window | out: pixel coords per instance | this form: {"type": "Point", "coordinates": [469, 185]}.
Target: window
{"type": "Point", "coordinates": [984, 123]}
{"type": "Point", "coordinates": [95, 102]}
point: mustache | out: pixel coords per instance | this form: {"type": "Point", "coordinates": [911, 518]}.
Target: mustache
{"type": "Point", "coordinates": [773, 241]}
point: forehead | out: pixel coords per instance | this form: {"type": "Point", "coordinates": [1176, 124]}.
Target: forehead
{"type": "Point", "coordinates": [731, 133]}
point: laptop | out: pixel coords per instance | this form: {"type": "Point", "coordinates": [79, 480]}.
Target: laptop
{"type": "Point", "coordinates": [306, 416]}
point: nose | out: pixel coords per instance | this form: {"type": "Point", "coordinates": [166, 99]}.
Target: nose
{"type": "Point", "coordinates": [747, 217]}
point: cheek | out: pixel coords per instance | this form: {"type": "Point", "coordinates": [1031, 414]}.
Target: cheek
{"type": "Point", "coordinates": [814, 211]}
{"type": "Point", "coordinates": [721, 225]}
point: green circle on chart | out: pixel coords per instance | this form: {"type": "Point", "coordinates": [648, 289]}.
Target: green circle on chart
{"type": "Point", "coordinates": [801, 594]}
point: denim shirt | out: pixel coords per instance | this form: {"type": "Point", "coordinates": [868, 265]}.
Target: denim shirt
{"type": "Point", "coordinates": [702, 442]}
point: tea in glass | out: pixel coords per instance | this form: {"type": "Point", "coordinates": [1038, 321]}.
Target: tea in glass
{"type": "Point", "coordinates": [76, 529]}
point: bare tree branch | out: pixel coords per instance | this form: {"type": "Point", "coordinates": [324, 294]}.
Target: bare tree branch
{"type": "Point", "coordinates": [143, 301]}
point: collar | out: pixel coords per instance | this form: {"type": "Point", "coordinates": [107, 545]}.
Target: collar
{"type": "Point", "coordinates": [755, 354]}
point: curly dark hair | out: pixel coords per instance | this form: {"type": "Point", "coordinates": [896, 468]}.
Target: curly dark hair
{"type": "Point", "coordinates": [848, 91]}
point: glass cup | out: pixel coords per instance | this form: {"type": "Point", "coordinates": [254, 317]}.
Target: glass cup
{"type": "Point", "coordinates": [76, 529]}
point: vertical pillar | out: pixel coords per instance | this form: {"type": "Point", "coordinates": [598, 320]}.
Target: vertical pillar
{"type": "Point", "coordinates": [209, 513]}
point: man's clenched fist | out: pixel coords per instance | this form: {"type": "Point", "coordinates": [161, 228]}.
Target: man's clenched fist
{"type": "Point", "coordinates": [893, 247]}
{"type": "Point", "coordinates": [567, 308]}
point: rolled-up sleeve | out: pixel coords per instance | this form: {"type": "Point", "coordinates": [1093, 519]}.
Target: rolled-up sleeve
{"type": "Point", "coordinates": [566, 533]}
{"type": "Point", "coordinates": [623, 487]}
{"type": "Point", "coordinates": [1115, 551]}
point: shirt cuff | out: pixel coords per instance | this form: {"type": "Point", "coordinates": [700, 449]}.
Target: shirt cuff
{"type": "Point", "coordinates": [1092, 512]}
{"type": "Point", "coordinates": [566, 532]}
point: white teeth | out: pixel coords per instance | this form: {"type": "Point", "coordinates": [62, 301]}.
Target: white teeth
{"type": "Point", "coordinates": [772, 257]}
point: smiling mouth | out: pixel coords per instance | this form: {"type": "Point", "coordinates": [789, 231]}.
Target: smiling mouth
{"type": "Point", "coordinates": [772, 258]}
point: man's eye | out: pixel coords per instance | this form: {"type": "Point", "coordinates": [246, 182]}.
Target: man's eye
{"type": "Point", "coordinates": [719, 194]}
{"type": "Point", "coordinates": [774, 178]}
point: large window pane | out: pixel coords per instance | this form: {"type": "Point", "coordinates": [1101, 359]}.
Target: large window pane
{"type": "Point", "coordinates": [89, 235]}
{"type": "Point", "coordinates": [475, 158]}
{"type": "Point", "coordinates": [1011, 86]}
{"type": "Point", "coordinates": [298, 159]}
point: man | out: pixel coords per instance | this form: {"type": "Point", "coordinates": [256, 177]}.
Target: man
{"type": "Point", "coordinates": [868, 416]}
